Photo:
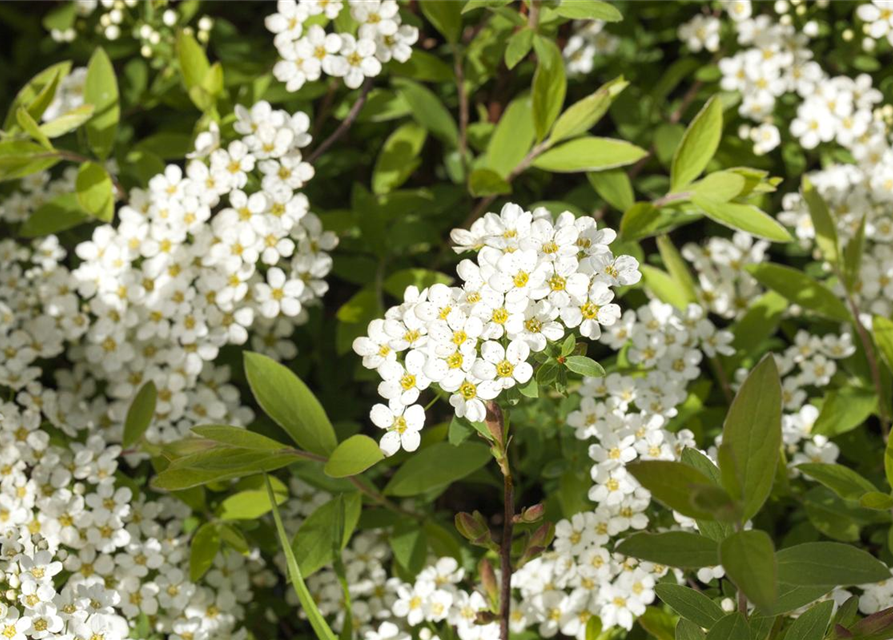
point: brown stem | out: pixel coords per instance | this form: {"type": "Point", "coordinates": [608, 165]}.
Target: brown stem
{"type": "Point", "coordinates": [873, 367]}
{"type": "Point", "coordinates": [505, 556]}
{"type": "Point", "coordinates": [463, 105]}
{"type": "Point", "coordinates": [345, 124]}
{"type": "Point", "coordinates": [723, 379]}
{"type": "Point", "coordinates": [533, 15]}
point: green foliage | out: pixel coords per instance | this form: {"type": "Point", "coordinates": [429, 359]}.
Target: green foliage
{"type": "Point", "coordinates": [353, 456]}
{"type": "Point", "coordinates": [139, 415]}
{"type": "Point", "coordinates": [290, 403]}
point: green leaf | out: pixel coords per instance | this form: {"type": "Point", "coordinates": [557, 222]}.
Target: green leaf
{"type": "Point", "coordinates": [68, 121]}
{"type": "Point", "coordinates": [512, 138]}
{"type": "Point", "coordinates": [252, 503]}
{"type": "Point", "coordinates": [101, 91]}
{"type": "Point", "coordinates": [830, 564]}
{"type": "Point", "coordinates": [876, 500]}
{"type": "Point", "coordinates": [30, 127]}
{"type": "Point", "coordinates": [436, 466]}
{"type": "Point", "coordinates": [588, 10]}
{"type": "Point", "coordinates": [194, 65]}
{"type": "Point", "coordinates": [744, 217]}
{"type": "Point", "coordinates": [202, 550]}
{"type": "Point", "coordinates": [518, 46]}
{"type": "Point", "coordinates": [589, 153]}
{"type": "Point", "coordinates": [471, 5]}
{"type": "Point", "coordinates": [288, 401]}
{"type": "Point", "coordinates": [678, 269]}
{"type": "Point", "coordinates": [614, 187]}
{"type": "Point", "coordinates": [353, 456]}
{"type": "Point", "coordinates": [663, 286]}
{"type": "Point", "coordinates": [749, 560]}
{"type": "Point", "coordinates": [399, 158]}
{"type": "Point", "coordinates": [139, 415]}
{"type": "Point", "coordinates": [486, 182]}
{"type": "Point", "coordinates": [20, 158]}
{"type": "Point", "coordinates": [227, 463]}
{"type": "Point", "coordinates": [825, 227]}
{"type": "Point", "coordinates": [658, 623]}
{"type": "Point", "coordinates": [800, 289]}
{"type": "Point", "coordinates": [720, 186]}
{"type": "Point", "coordinates": [95, 191]}
{"type": "Point", "coordinates": [671, 484]}
{"type": "Point", "coordinates": [673, 548]}
{"type": "Point", "coordinates": [38, 93]}
{"type": "Point", "coordinates": [446, 16]}
{"type": "Point", "coordinates": [882, 330]}
{"type": "Point", "coordinates": [410, 547]}
{"type": "Point", "coordinates": [581, 116]}
{"type": "Point", "coordinates": [731, 626]}
{"type": "Point", "coordinates": [429, 111]}
{"type": "Point", "coordinates": [238, 437]}
{"type": "Point", "coordinates": [585, 366]}
{"type": "Point", "coordinates": [61, 213]}
{"type": "Point", "coordinates": [752, 431]}
{"type": "Point", "coordinates": [313, 541]}
{"type": "Point", "coordinates": [812, 624]}
{"type": "Point", "coordinates": [833, 516]}
{"type": "Point", "coordinates": [698, 145]}
{"type": "Point", "coordinates": [844, 409]}
{"type": "Point", "coordinates": [687, 630]}
{"type": "Point", "coordinates": [549, 85]}
{"type": "Point", "coordinates": [690, 604]}
{"type": "Point", "coordinates": [840, 479]}
{"type": "Point", "coordinates": [317, 622]}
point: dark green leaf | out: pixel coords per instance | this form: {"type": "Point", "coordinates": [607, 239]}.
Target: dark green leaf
{"type": "Point", "coordinates": [672, 548]}
{"type": "Point", "coordinates": [139, 415]}
{"type": "Point", "coordinates": [690, 604]}
{"type": "Point", "coordinates": [749, 560]}
{"type": "Point", "coordinates": [799, 288]}
{"type": "Point", "coordinates": [549, 85]}
{"type": "Point", "coordinates": [436, 466]}
{"type": "Point", "coordinates": [202, 550]}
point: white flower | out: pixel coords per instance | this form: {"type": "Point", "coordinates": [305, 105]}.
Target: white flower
{"type": "Point", "coordinates": [503, 367]}
{"type": "Point", "coordinates": [279, 294]}
{"type": "Point", "coordinates": [402, 424]}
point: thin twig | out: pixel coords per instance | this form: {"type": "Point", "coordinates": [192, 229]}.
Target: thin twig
{"type": "Point", "coordinates": [723, 379]}
{"type": "Point", "coordinates": [873, 367]}
{"type": "Point", "coordinates": [463, 105]}
{"type": "Point", "coordinates": [345, 124]}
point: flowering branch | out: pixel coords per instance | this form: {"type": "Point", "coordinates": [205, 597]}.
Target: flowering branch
{"type": "Point", "coordinates": [345, 125]}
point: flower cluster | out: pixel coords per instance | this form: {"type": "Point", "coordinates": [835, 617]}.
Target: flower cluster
{"type": "Point", "coordinates": [308, 50]}
{"type": "Point", "coordinates": [534, 278]}
{"type": "Point", "coordinates": [85, 555]}
{"type": "Point", "coordinates": [195, 263]}
{"type": "Point", "coordinates": [588, 41]}
{"type": "Point", "coordinates": [115, 19]}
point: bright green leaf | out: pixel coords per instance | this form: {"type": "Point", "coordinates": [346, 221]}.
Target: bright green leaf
{"type": "Point", "coordinates": [202, 550]}
{"type": "Point", "coordinates": [288, 401]}
{"type": "Point", "coordinates": [698, 145]}
{"type": "Point", "coordinates": [799, 288]}
{"type": "Point", "coordinates": [101, 91]}
{"type": "Point", "coordinates": [549, 85]}
{"type": "Point", "coordinates": [690, 604]}
{"type": "Point", "coordinates": [95, 191]}
{"type": "Point", "coordinates": [353, 456]}
{"type": "Point", "coordinates": [436, 466]}
{"type": "Point", "coordinates": [589, 154]}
